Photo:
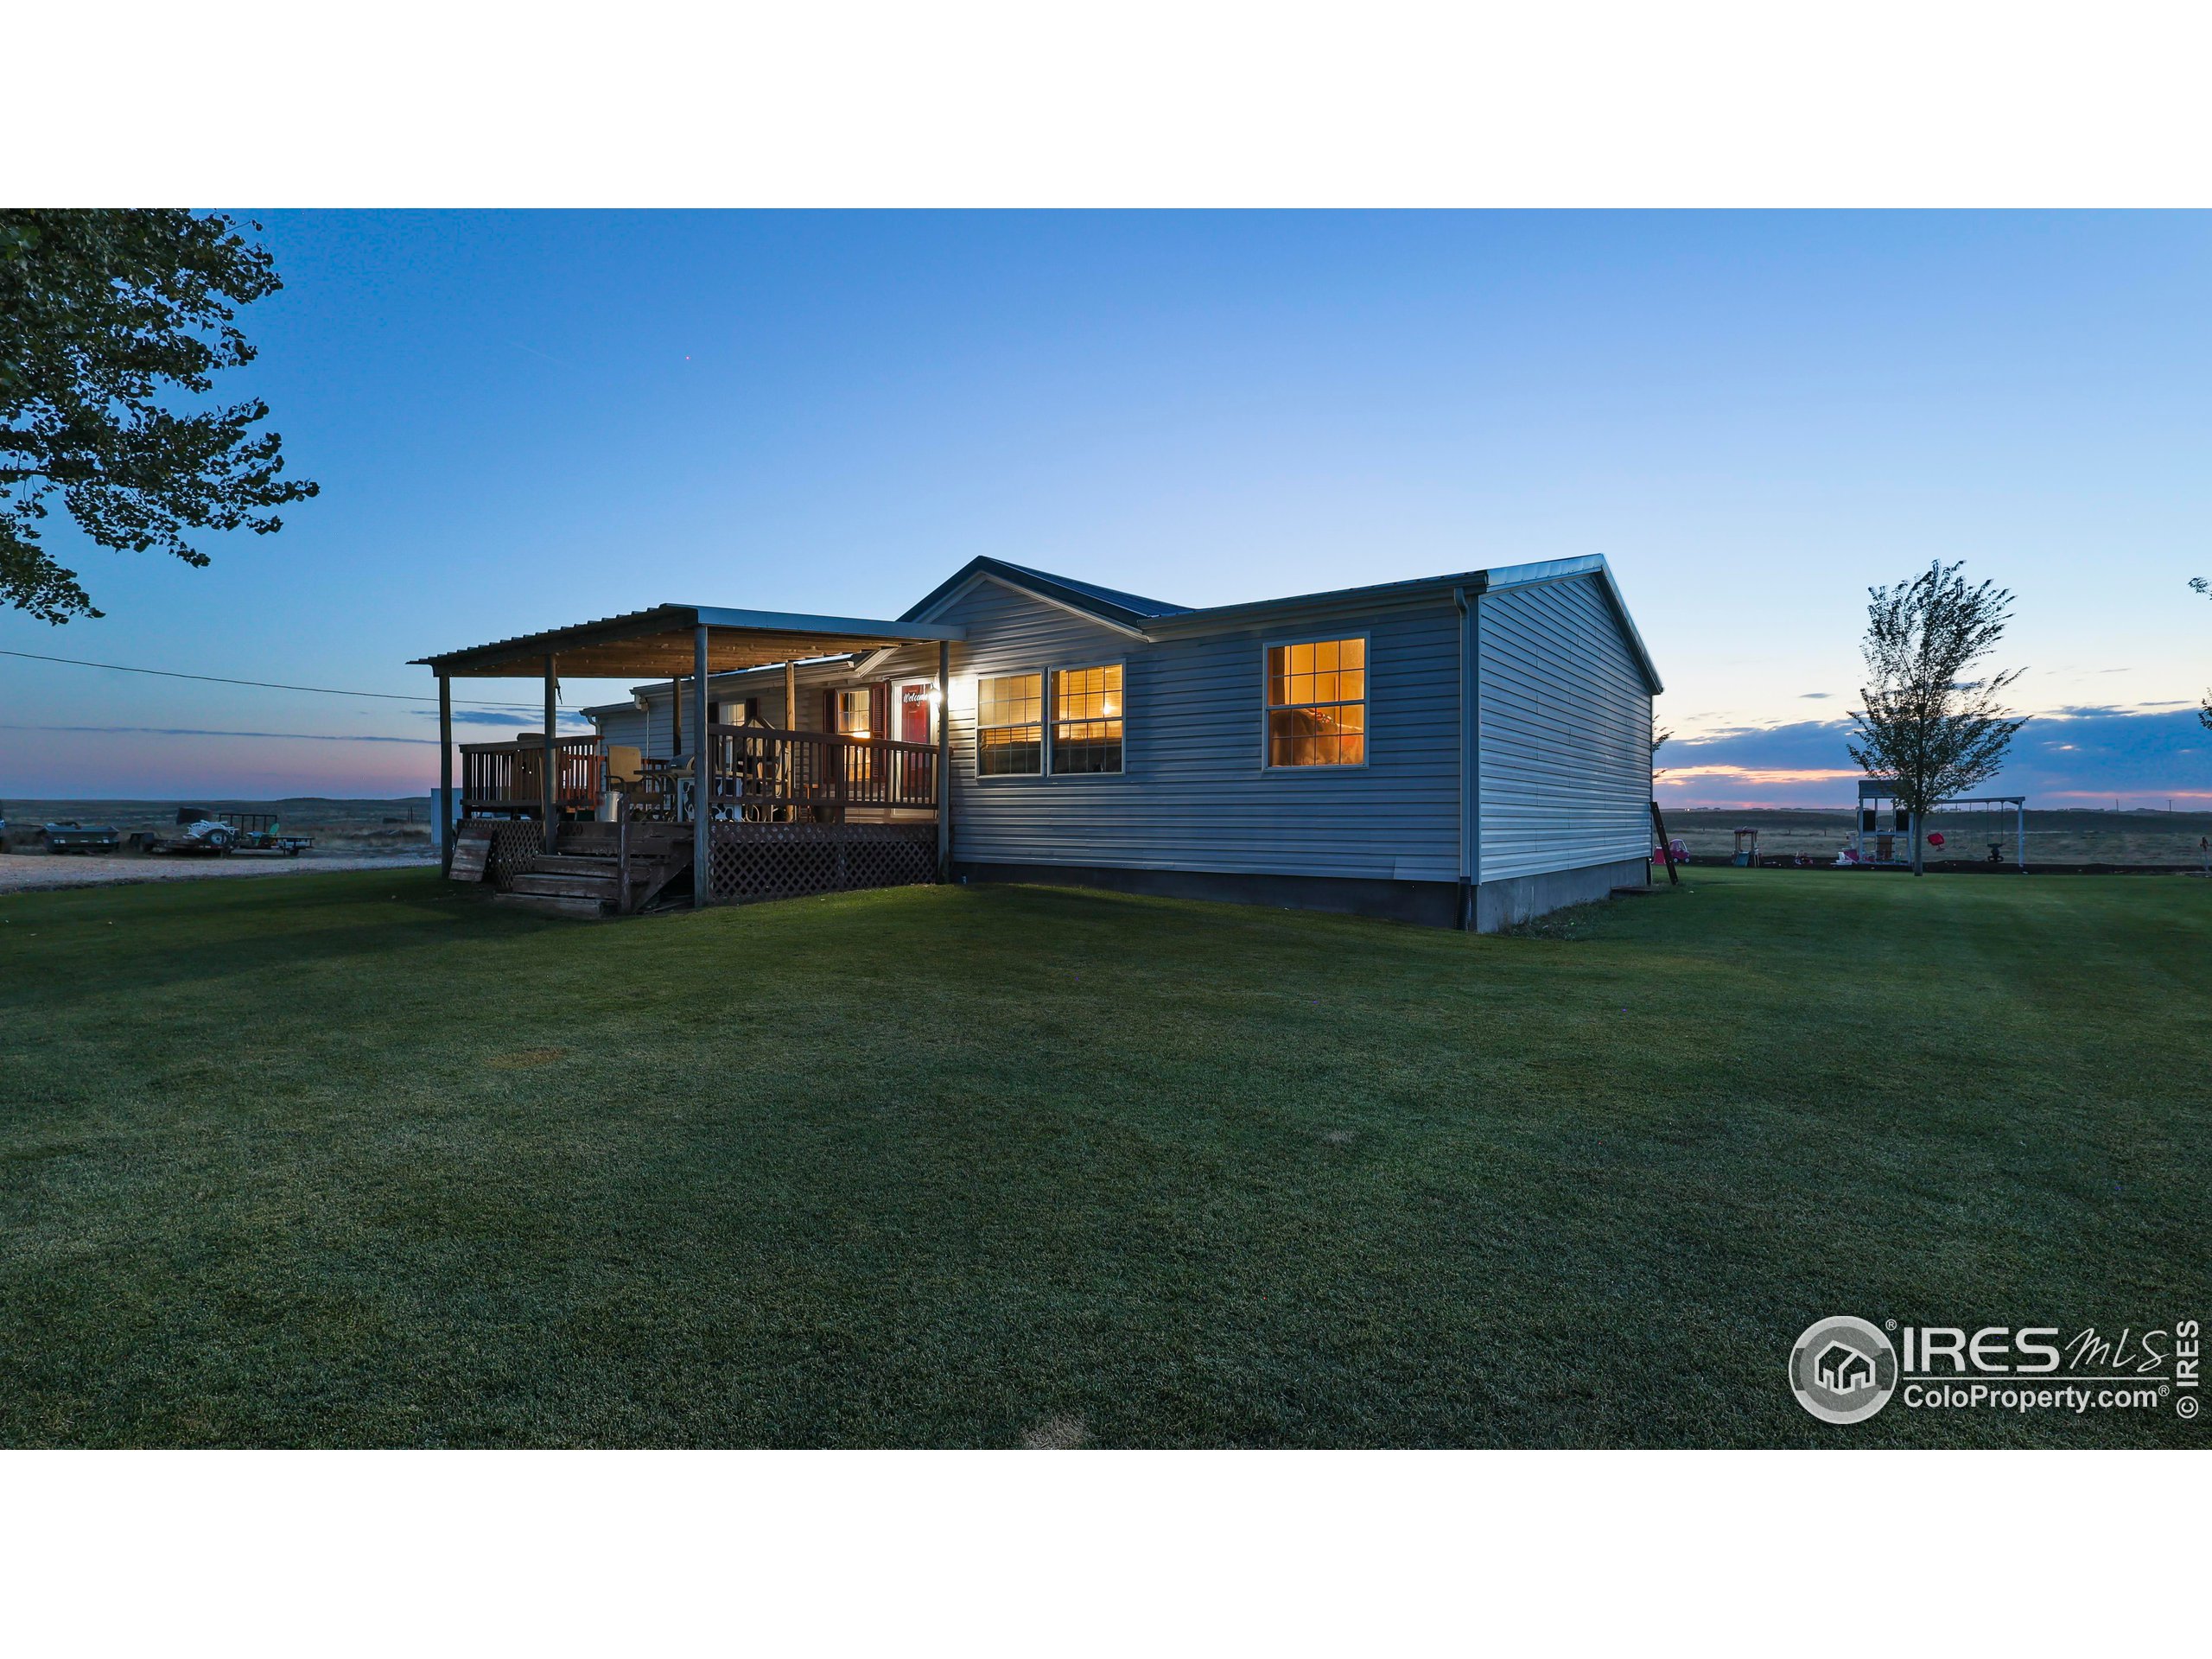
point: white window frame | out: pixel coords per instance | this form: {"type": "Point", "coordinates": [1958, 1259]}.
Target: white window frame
{"type": "Point", "coordinates": [993, 779]}
{"type": "Point", "coordinates": [1053, 710]}
{"type": "Point", "coordinates": [1267, 705]}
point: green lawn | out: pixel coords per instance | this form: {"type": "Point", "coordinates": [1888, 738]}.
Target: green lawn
{"type": "Point", "coordinates": [361, 1159]}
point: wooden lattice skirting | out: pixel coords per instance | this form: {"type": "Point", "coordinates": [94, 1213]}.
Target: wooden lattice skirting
{"type": "Point", "coordinates": [515, 841]}
{"type": "Point", "coordinates": [786, 861]}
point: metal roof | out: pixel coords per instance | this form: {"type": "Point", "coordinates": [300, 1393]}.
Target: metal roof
{"type": "Point", "coordinates": [1143, 617]}
{"type": "Point", "coordinates": [1125, 611]}
{"type": "Point", "coordinates": [1494, 580]}
{"type": "Point", "coordinates": [656, 644]}
{"type": "Point", "coordinates": [659, 643]}
{"type": "Point", "coordinates": [1885, 789]}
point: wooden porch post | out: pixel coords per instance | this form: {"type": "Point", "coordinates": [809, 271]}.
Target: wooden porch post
{"type": "Point", "coordinates": [944, 760]}
{"type": "Point", "coordinates": [545, 787]}
{"type": "Point", "coordinates": [791, 696]}
{"type": "Point", "coordinates": [445, 774]}
{"type": "Point", "coordinates": [703, 774]}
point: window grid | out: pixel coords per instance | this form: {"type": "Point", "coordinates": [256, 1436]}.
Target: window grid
{"type": "Point", "coordinates": [1009, 726]}
{"type": "Point", "coordinates": [853, 713]}
{"type": "Point", "coordinates": [1087, 719]}
{"type": "Point", "coordinates": [1317, 703]}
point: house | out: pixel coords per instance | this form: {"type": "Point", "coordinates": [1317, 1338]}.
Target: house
{"type": "Point", "coordinates": [1843, 1368]}
{"type": "Point", "coordinates": [1467, 750]}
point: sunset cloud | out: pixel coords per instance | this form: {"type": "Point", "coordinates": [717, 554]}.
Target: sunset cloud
{"type": "Point", "coordinates": [2083, 753]}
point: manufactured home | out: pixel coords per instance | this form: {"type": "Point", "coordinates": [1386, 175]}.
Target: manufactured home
{"type": "Point", "coordinates": [1467, 750]}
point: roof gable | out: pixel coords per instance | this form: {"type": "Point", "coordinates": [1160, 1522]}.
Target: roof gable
{"type": "Point", "coordinates": [1127, 612]}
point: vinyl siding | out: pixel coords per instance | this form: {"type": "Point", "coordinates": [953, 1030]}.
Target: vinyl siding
{"type": "Point", "coordinates": [1565, 733]}
{"type": "Point", "coordinates": [1193, 794]}
{"type": "Point", "coordinates": [631, 728]}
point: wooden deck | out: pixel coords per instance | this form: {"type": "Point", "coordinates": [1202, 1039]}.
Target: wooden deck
{"type": "Point", "coordinates": [790, 813]}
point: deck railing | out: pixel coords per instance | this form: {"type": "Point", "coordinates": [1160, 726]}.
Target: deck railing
{"type": "Point", "coordinates": [508, 778]}
{"type": "Point", "coordinates": [768, 775]}
{"type": "Point", "coordinates": [760, 774]}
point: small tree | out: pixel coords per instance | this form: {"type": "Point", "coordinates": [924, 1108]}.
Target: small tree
{"type": "Point", "coordinates": [102, 315]}
{"type": "Point", "coordinates": [1926, 726]}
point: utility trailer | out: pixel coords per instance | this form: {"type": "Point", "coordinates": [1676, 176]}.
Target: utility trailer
{"type": "Point", "coordinates": [216, 833]}
{"type": "Point", "coordinates": [67, 835]}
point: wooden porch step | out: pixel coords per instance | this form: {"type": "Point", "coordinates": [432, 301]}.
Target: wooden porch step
{"type": "Point", "coordinates": [565, 884]}
{"type": "Point", "coordinates": [574, 864]}
{"type": "Point", "coordinates": [552, 904]}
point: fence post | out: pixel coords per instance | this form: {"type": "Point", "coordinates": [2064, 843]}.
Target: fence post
{"type": "Point", "coordinates": [944, 781]}
{"type": "Point", "coordinates": [549, 782]}
{"type": "Point", "coordinates": [702, 782]}
{"type": "Point", "coordinates": [445, 773]}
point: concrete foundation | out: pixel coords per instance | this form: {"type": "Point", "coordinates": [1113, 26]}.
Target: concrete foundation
{"type": "Point", "coordinates": [1523, 898]}
{"type": "Point", "coordinates": [1429, 904]}
{"type": "Point", "coordinates": [1432, 904]}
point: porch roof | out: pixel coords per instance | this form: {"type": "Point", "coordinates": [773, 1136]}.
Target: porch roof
{"type": "Point", "coordinates": [657, 643]}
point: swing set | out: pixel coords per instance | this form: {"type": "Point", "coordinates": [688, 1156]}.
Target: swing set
{"type": "Point", "coordinates": [1883, 830]}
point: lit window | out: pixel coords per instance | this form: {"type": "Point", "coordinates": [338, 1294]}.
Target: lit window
{"type": "Point", "coordinates": [848, 709]}
{"type": "Point", "coordinates": [1087, 719]}
{"type": "Point", "coordinates": [1010, 726]}
{"type": "Point", "coordinates": [1317, 703]}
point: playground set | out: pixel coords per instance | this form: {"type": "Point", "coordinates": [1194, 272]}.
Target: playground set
{"type": "Point", "coordinates": [1883, 832]}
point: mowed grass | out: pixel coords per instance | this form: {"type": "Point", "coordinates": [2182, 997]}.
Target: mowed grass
{"type": "Point", "coordinates": [362, 1159]}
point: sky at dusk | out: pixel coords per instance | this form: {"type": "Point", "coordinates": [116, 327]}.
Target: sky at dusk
{"type": "Point", "coordinates": [524, 420]}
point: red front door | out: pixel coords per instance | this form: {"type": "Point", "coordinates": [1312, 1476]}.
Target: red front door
{"type": "Point", "coordinates": [913, 714]}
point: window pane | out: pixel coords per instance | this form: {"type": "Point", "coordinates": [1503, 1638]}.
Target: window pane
{"type": "Point", "coordinates": [1328, 670]}
{"type": "Point", "coordinates": [1317, 714]}
{"type": "Point", "coordinates": [1010, 700]}
{"type": "Point", "coordinates": [852, 712]}
{"type": "Point", "coordinates": [1008, 752]}
{"type": "Point", "coordinates": [1317, 737]}
{"type": "Point", "coordinates": [1087, 693]}
{"type": "Point", "coordinates": [1087, 746]}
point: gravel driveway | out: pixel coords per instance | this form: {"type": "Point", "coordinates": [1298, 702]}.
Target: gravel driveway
{"type": "Point", "coordinates": [21, 872]}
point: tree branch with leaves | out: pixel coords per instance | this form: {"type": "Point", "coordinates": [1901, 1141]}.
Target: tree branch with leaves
{"type": "Point", "coordinates": [1926, 726]}
{"type": "Point", "coordinates": [103, 316]}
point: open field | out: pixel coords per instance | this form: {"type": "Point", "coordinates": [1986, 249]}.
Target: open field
{"type": "Point", "coordinates": [21, 872]}
{"type": "Point", "coordinates": [361, 1159]}
{"type": "Point", "coordinates": [336, 825]}
{"type": "Point", "coordinates": [2067, 837]}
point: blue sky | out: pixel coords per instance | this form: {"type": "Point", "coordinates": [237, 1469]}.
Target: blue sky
{"type": "Point", "coordinates": [520, 420]}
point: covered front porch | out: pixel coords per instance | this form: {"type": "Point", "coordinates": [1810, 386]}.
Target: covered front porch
{"type": "Point", "coordinates": [745, 809]}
